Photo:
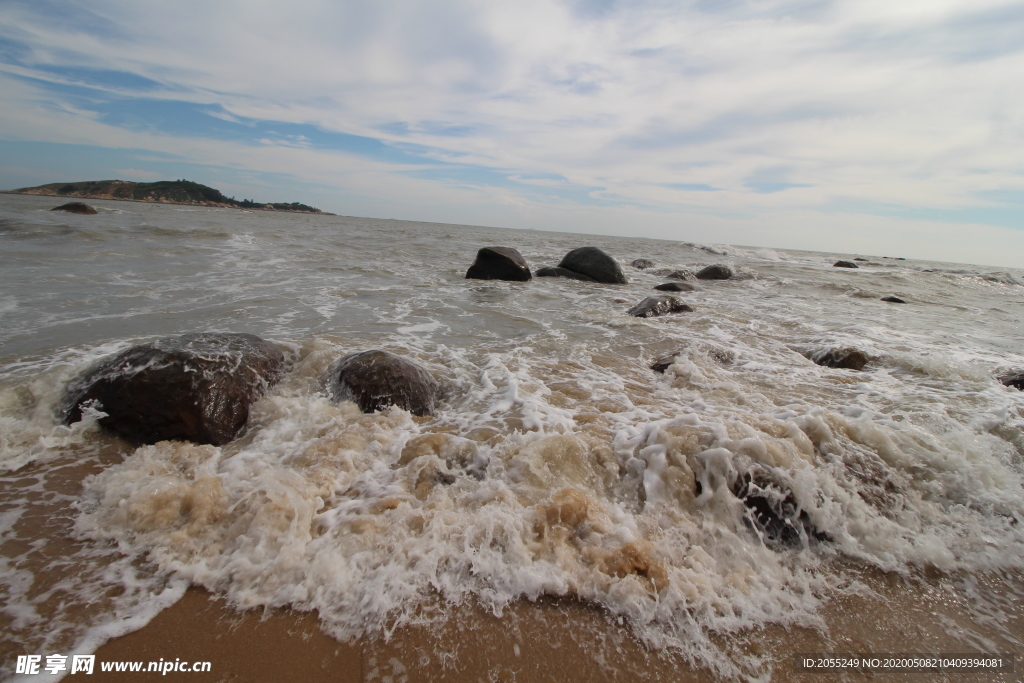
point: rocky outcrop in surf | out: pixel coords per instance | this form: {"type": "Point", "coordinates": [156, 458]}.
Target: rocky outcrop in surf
{"type": "Point", "coordinates": [499, 263]}
{"type": "Point", "coordinates": [845, 264]}
{"type": "Point", "coordinates": [377, 379]}
{"type": "Point", "coordinates": [715, 272]}
{"type": "Point", "coordinates": [642, 263]}
{"type": "Point", "coordinates": [76, 207]}
{"type": "Point", "coordinates": [844, 358]}
{"type": "Point", "coordinates": [196, 387]}
{"type": "Point", "coordinates": [683, 274]}
{"type": "Point", "coordinates": [654, 306]}
{"type": "Point", "coordinates": [595, 264]}
{"type": "Point", "coordinates": [773, 513]}
{"type": "Point", "coordinates": [893, 299]}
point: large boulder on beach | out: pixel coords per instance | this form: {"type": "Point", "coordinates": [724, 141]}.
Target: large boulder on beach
{"type": "Point", "coordinates": [654, 306]}
{"type": "Point", "coordinates": [594, 263]}
{"type": "Point", "coordinates": [715, 272]}
{"type": "Point", "coordinates": [378, 379]}
{"type": "Point", "coordinates": [76, 207]}
{"type": "Point", "coordinates": [844, 358]}
{"type": "Point", "coordinates": [196, 387]}
{"type": "Point", "coordinates": [499, 263]}
{"type": "Point", "coordinates": [563, 272]}
{"type": "Point", "coordinates": [677, 287]}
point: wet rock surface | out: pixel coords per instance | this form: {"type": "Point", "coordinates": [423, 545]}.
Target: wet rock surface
{"type": "Point", "coordinates": [893, 299]}
{"type": "Point", "coordinates": [715, 272]}
{"type": "Point", "coordinates": [377, 379]}
{"type": "Point", "coordinates": [196, 387]}
{"type": "Point", "coordinates": [845, 264]}
{"type": "Point", "coordinates": [685, 275]}
{"type": "Point", "coordinates": [563, 272]}
{"type": "Point", "coordinates": [845, 358]}
{"type": "Point", "coordinates": [654, 306]}
{"type": "Point", "coordinates": [642, 263]}
{"type": "Point", "coordinates": [773, 513]}
{"type": "Point", "coordinates": [499, 263]}
{"type": "Point", "coordinates": [595, 264]}
{"type": "Point", "coordinates": [76, 207]}
{"type": "Point", "coordinates": [715, 353]}
{"type": "Point", "coordinates": [677, 287]}
{"type": "Point", "coordinates": [1015, 380]}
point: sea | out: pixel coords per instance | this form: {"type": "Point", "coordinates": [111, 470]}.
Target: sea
{"type": "Point", "coordinates": [558, 463]}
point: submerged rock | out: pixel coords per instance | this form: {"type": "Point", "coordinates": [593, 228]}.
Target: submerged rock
{"type": "Point", "coordinates": [376, 379]}
{"type": "Point", "coordinates": [846, 358]}
{"type": "Point", "coordinates": [595, 264]}
{"type": "Point", "coordinates": [685, 275]}
{"type": "Point", "coordinates": [773, 512]}
{"type": "Point", "coordinates": [563, 272]}
{"type": "Point", "coordinates": [76, 207]}
{"type": "Point", "coordinates": [654, 306]}
{"type": "Point", "coordinates": [196, 387]}
{"type": "Point", "coordinates": [642, 264]}
{"type": "Point", "coordinates": [715, 353]}
{"type": "Point", "coordinates": [893, 299]}
{"type": "Point", "coordinates": [860, 259]}
{"type": "Point", "coordinates": [677, 287]}
{"type": "Point", "coordinates": [715, 272]}
{"type": "Point", "coordinates": [1015, 380]}
{"type": "Point", "coordinates": [845, 264]}
{"type": "Point", "coordinates": [499, 263]}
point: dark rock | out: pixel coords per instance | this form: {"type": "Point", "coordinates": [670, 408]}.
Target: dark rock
{"type": "Point", "coordinates": [654, 306]}
{"type": "Point", "coordinates": [1016, 380]}
{"type": "Point", "coordinates": [845, 264]}
{"type": "Point", "coordinates": [642, 264]}
{"type": "Point", "coordinates": [860, 259]}
{"type": "Point", "coordinates": [499, 263]}
{"type": "Point", "coordinates": [563, 272]}
{"type": "Point", "coordinates": [893, 299]}
{"type": "Point", "coordinates": [848, 359]}
{"type": "Point", "coordinates": [377, 379]}
{"type": "Point", "coordinates": [76, 207]}
{"type": "Point", "coordinates": [677, 287]}
{"type": "Point", "coordinates": [685, 275]}
{"type": "Point", "coordinates": [773, 513]}
{"type": "Point", "coordinates": [196, 387]}
{"type": "Point", "coordinates": [719, 355]}
{"type": "Point", "coordinates": [715, 272]}
{"type": "Point", "coordinates": [594, 263]}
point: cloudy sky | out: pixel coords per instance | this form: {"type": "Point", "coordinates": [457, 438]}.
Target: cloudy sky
{"type": "Point", "coordinates": [867, 126]}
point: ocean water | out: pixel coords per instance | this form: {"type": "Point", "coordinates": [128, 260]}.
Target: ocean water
{"type": "Point", "coordinates": [558, 463]}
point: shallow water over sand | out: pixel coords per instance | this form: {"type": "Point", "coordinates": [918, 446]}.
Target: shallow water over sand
{"type": "Point", "coordinates": [559, 463]}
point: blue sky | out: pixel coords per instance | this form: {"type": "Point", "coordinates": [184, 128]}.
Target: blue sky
{"type": "Point", "coordinates": [858, 127]}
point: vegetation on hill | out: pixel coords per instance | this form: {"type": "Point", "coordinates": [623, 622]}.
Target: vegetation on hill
{"type": "Point", "coordinates": [169, 191]}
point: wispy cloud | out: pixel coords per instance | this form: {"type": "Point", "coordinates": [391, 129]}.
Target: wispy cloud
{"type": "Point", "coordinates": [570, 115]}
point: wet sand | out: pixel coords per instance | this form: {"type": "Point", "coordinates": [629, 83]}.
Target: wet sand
{"type": "Point", "coordinates": [552, 640]}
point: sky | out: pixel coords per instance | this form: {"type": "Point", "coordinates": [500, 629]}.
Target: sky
{"type": "Point", "coordinates": [860, 127]}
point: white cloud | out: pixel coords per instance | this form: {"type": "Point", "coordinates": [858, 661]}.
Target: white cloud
{"type": "Point", "coordinates": [910, 103]}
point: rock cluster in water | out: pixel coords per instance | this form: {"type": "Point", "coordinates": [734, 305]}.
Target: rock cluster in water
{"type": "Point", "coordinates": [378, 379]}
{"type": "Point", "coordinates": [196, 387]}
{"type": "Point", "coordinates": [76, 207]}
{"type": "Point", "coordinates": [563, 272]}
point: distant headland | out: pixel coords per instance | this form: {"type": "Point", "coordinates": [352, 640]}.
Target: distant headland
{"type": "Point", "coordinates": [163, 192]}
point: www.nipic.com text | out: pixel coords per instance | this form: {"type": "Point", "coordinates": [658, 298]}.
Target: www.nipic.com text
{"type": "Point", "coordinates": [85, 664]}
